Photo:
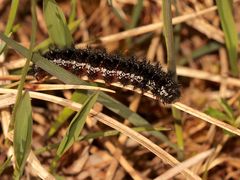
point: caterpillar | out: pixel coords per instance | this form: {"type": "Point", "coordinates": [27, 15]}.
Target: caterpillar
{"type": "Point", "coordinates": [98, 64]}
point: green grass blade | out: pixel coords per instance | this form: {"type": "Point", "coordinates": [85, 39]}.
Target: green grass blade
{"type": "Point", "coordinates": [22, 112]}
{"type": "Point", "coordinates": [66, 113]}
{"type": "Point", "coordinates": [136, 14]}
{"type": "Point", "coordinates": [115, 132]}
{"type": "Point", "coordinates": [217, 114]}
{"type": "Point", "coordinates": [10, 22]}
{"type": "Point", "coordinates": [134, 18]}
{"type": "Point", "coordinates": [34, 24]}
{"type": "Point", "coordinates": [118, 15]}
{"type": "Point", "coordinates": [73, 11]}
{"type": "Point", "coordinates": [221, 116]}
{"type": "Point", "coordinates": [100, 134]}
{"type": "Point", "coordinates": [171, 60]}
{"type": "Point", "coordinates": [228, 110]}
{"type": "Point", "coordinates": [12, 16]}
{"type": "Point", "coordinates": [230, 32]}
{"type": "Point", "coordinates": [22, 133]}
{"type": "Point", "coordinates": [3, 45]}
{"type": "Point", "coordinates": [5, 164]}
{"type": "Point", "coordinates": [168, 34]}
{"type": "Point", "coordinates": [26, 66]}
{"type": "Point", "coordinates": [210, 47]}
{"type": "Point", "coordinates": [76, 125]}
{"type": "Point", "coordinates": [56, 24]}
{"type": "Point", "coordinates": [47, 42]}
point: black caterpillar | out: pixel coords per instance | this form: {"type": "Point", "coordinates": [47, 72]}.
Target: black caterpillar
{"type": "Point", "coordinates": [98, 64]}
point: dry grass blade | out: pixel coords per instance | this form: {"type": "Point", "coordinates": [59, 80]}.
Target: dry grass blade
{"type": "Point", "coordinates": [193, 73]}
{"type": "Point", "coordinates": [207, 118]}
{"type": "Point", "coordinates": [14, 77]}
{"type": "Point", "coordinates": [47, 87]}
{"type": "Point", "coordinates": [186, 164]}
{"type": "Point", "coordinates": [151, 27]}
{"type": "Point", "coordinates": [6, 100]}
{"type": "Point", "coordinates": [38, 168]}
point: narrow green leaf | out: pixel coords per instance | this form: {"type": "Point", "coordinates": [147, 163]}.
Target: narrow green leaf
{"type": "Point", "coordinates": [217, 114]}
{"type": "Point", "coordinates": [22, 133]}
{"type": "Point", "coordinates": [171, 65]}
{"type": "Point", "coordinates": [237, 122]}
{"type": "Point", "coordinates": [47, 42]}
{"type": "Point", "coordinates": [73, 11]}
{"type": "Point", "coordinates": [12, 16]}
{"type": "Point", "coordinates": [76, 125]}
{"type": "Point", "coordinates": [99, 134]}
{"type": "Point", "coordinates": [228, 110]}
{"type": "Point", "coordinates": [136, 14]}
{"type": "Point", "coordinates": [230, 32]}
{"type": "Point", "coordinates": [56, 24]}
{"type": "Point", "coordinates": [10, 22]}
{"type": "Point", "coordinates": [221, 116]}
{"type": "Point", "coordinates": [168, 35]}
{"type": "Point", "coordinates": [66, 113]}
{"type": "Point", "coordinates": [5, 164]}
{"type": "Point", "coordinates": [26, 66]}
{"type": "Point", "coordinates": [212, 46]}
{"type": "Point", "coordinates": [118, 15]}
{"type": "Point", "coordinates": [3, 44]}
{"type": "Point", "coordinates": [114, 132]}
{"type": "Point", "coordinates": [34, 24]}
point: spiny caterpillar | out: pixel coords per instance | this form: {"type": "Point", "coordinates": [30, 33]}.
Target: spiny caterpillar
{"type": "Point", "coordinates": [98, 64]}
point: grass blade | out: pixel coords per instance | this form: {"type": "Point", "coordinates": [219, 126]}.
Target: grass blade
{"type": "Point", "coordinates": [74, 129]}
{"type": "Point", "coordinates": [171, 61]}
{"type": "Point", "coordinates": [12, 15]}
{"type": "Point", "coordinates": [76, 125]}
{"type": "Point", "coordinates": [56, 24]}
{"type": "Point", "coordinates": [22, 133]}
{"type": "Point", "coordinates": [228, 110]}
{"type": "Point", "coordinates": [43, 46]}
{"type": "Point", "coordinates": [10, 22]}
{"type": "Point", "coordinates": [100, 134]}
{"type": "Point", "coordinates": [5, 164]}
{"type": "Point", "coordinates": [65, 113]}
{"type": "Point", "coordinates": [26, 66]}
{"type": "Point", "coordinates": [230, 32]}
{"type": "Point", "coordinates": [73, 11]}
{"type": "Point", "coordinates": [136, 14]}
{"type": "Point", "coordinates": [118, 15]}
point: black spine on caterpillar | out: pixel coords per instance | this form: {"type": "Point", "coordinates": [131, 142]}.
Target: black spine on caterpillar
{"type": "Point", "coordinates": [98, 64]}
